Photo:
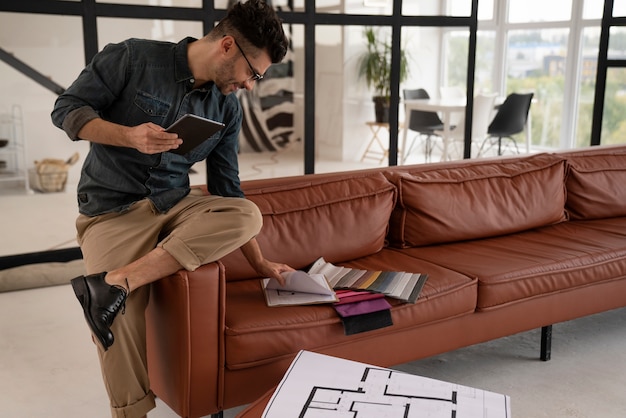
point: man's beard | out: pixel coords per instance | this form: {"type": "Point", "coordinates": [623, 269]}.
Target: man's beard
{"type": "Point", "coordinates": [224, 78]}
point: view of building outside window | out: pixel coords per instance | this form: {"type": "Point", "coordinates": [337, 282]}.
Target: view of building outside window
{"type": "Point", "coordinates": [539, 54]}
{"type": "Point", "coordinates": [613, 123]}
{"type": "Point", "coordinates": [536, 63]}
{"type": "Point", "coordinates": [587, 85]}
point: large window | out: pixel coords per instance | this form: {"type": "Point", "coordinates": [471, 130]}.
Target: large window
{"type": "Point", "coordinates": [548, 47]}
{"type": "Point", "coordinates": [552, 54]}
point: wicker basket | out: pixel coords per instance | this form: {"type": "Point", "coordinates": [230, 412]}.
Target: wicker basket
{"type": "Point", "coordinates": [50, 175]}
{"type": "Point", "coordinates": [47, 182]}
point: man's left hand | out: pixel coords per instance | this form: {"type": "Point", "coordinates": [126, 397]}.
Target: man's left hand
{"type": "Point", "coordinates": [272, 270]}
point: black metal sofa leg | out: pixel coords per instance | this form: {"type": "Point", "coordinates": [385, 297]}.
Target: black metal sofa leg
{"type": "Point", "coordinates": [218, 415]}
{"type": "Point", "coordinates": [546, 343]}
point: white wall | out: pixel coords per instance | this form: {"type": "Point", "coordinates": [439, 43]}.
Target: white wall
{"type": "Point", "coordinates": [57, 53]}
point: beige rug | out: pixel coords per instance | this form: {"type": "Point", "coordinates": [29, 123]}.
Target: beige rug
{"type": "Point", "coordinates": [40, 275]}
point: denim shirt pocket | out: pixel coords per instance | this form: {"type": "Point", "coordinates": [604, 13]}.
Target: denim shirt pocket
{"type": "Point", "coordinates": [154, 108]}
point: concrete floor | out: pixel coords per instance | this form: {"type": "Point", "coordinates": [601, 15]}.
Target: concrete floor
{"type": "Point", "coordinates": [49, 367]}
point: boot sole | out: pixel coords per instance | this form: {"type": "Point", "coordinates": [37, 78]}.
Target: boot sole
{"type": "Point", "coordinates": [79, 285]}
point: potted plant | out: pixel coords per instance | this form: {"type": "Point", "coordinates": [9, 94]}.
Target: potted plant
{"type": "Point", "coordinates": [375, 67]}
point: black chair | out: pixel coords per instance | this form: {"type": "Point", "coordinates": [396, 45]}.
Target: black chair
{"type": "Point", "coordinates": [510, 120]}
{"type": "Point", "coordinates": [424, 123]}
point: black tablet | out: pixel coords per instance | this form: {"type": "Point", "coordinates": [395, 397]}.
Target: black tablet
{"type": "Point", "coordinates": [193, 130]}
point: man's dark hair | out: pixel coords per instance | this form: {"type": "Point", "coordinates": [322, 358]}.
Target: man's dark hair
{"type": "Point", "coordinates": [258, 23]}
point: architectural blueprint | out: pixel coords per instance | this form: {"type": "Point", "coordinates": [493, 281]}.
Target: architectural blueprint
{"type": "Point", "coordinates": [319, 386]}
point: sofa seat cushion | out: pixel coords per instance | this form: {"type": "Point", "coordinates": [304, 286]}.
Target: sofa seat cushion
{"type": "Point", "coordinates": [338, 217]}
{"type": "Point", "coordinates": [256, 334]}
{"type": "Point", "coordinates": [538, 262]}
{"type": "Point", "coordinates": [450, 202]}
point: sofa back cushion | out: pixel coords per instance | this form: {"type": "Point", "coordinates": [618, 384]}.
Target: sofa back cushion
{"type": "Point", "coordinates": [596, 186]}
{"type": "Point", "coordinates": [339, 217]}
{"type": "Point", "coordinates": [473, 199]}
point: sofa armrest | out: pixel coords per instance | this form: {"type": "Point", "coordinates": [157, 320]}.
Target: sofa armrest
{"type": "Point", "coordinates": [185, 328]}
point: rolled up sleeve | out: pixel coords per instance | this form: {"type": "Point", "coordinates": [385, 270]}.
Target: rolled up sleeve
{"type": "Point", "coordinates": [76, 119]}
{"type": "Point", "coordinates": [95, 89]}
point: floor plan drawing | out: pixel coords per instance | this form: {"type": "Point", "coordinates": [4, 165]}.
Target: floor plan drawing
{"type": "Point", "coordinates": [375, 393]}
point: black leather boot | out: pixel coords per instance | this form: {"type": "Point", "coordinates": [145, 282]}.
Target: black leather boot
{"type": "Point", "coordinates": [101, 303]}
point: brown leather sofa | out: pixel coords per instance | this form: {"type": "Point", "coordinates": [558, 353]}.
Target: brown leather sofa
{"type": "Point", "coordinates": [509, 244]}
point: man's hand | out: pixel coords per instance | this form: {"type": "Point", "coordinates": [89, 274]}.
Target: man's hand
{"type": "Point", "coordinates": [147, 138]}
{"type": "Point", "coordinates": [261, 265]}
{"type": "Point", "coordinates": [150, 138]}
{"type": "Point", "coordinates": [273, 270]}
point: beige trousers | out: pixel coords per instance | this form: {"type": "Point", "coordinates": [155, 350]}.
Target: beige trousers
{"type": "Point", "coordinates": [198, 230]}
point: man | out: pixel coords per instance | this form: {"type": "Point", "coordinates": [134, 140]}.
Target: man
{"type": "Point", "coordinates": [138, 219]}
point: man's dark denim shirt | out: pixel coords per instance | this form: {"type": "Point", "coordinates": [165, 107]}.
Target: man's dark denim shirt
{"type": "Point", "coordinates": [140, 81]}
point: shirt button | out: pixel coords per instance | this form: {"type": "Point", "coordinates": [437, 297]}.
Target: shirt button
{"type": "Point", "coordinates": [191, 81]}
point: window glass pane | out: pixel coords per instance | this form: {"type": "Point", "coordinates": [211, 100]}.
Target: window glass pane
{"type": "Point", "coordinates": [426, 55]}
{"type": "Point", "coordinates": [455, 70]}
{"type": "Point", "coordinates": [539, 10]}
{"type": "Point", "coordinates": [119, 29]}
{"type": "Point", "coordinates": [593, 9]}
{"type": "Point", "coordinates": [485, 9]}
{"type": "Point", "coordinates": [298, 5]}
{"type": "Point", "coordinates": [268, 129]}
{"type": "Point", "coordinates": [171, 3]}
{"type": "Point", "coordinates": [460, 7]}
{"type": "Point", "coordinates": [359, 110]}
{"type": "Point", "coordinates": [485, 58]}
{"type": "Point", "coordinates": [613, 122]}
{"type": "Point", "coordinates": [365, 7]}
{"type": "Point", "coordinates": [619, 8]}
{"type": "Point", "coordinates": [456, 51]}
{"type": "Point", "coordinates": [334, 114]}
{"type": "Point", "coordinates": [368, 65]}
{"type": "Point", "coordinates": [295, 57]}
{"type": "Point", "coordinates": [617, 42]}
{"type": "Point", "coordinates": [358, 107]}
{"type": "Point", "coordinates": [425, 48]}
{"type": "Point", "coordinates": [423, 8]}
{"type": "Point", "coordinates": [273, 110]}
{"type": "Point", "coordinates": [536, 62]}
{"type": "Point", "coordinates": [464, 8]}
{"type": "Point", "coordinates": [586, 86]}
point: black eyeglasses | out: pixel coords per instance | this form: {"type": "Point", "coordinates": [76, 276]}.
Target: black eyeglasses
{"type": "Point", "coordinates": [256, 76]}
